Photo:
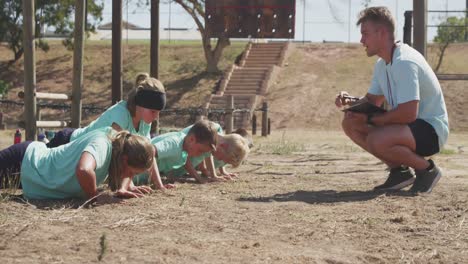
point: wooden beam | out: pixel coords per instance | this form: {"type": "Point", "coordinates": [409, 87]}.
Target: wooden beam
{"type": "Point", "coordinates": [78, 62]}
{"type": "Point", "coordinates": [116, 51]}
{"type": "Point", "coordinates": [47, 96]}
{"type": "Point", "coordinates": [420, 25]}
{"type": "Point", "coordinates": [229, 118]}
{"type": "Point", "coordinates": [52, 124]}
{"type": "Point", "coordinates": [452, 77]}
{"type": "Point", "coordinates": [29, 69]}
{"type": "Point", "coordinates": [154, 51]}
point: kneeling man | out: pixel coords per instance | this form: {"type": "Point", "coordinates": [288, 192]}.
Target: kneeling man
{"type": "Point", "coordinates": [416, 124]}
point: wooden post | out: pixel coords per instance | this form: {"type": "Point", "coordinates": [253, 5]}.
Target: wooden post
{"type": "Point", "coordinates": [78, 63]}
{"type": "Point", "coordinates": [38, 119]}
{"type": "Point", "coordinates": [29, 69]}
{"type": "Point", "coordinates": [154, 128]}
{"type": "Point", "coordinates": [2, 126]}
{"type": "Point", "coordinates": [154, 50]}
{"type": "Point", "coordinates": [265, 119]}
{"type": "Point", "coordinates": [269, 126]}
{"type": "Point", "coordinates": [466, 22]}
{"type": "Point", "coordinates": [420, 25]}
{"type": "Point", "coordinates": [229, 117]}
{"type": "Point", "coordinates": [254, 124]}
{"type": "Point", "coordinates": [408, 27]}
{"type": "Point", "coordinates": [116, 51]}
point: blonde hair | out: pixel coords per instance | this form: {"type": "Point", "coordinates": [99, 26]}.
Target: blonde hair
{"type": "Point", "coordinates": [245, 134]}
{"type": "Point", "coordinates": [236, 149]}
{"type": "Point", "coordinates": [378, 15]}
{"type": "Point", "coordinates": [138, 150]}
{"type": "Point", "coordinates": [142, 82]}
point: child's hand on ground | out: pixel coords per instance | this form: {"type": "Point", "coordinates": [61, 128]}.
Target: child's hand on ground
{"type": "Point", "coordinates": [143, 189]}
{"type": "Point", "coordinates": [107, 199]}
{"type": "Point", "coordinates": [128, 194]}
{"type": "Point", "coordinates": [230, 176]}
{"type": "Point", "coordinates": [169, 186]}
{"type": "Point", "coordinates": [216, 179]}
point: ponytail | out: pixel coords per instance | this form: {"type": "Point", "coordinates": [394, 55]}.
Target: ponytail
{"type": "Point", "coordinates": [138, 150]}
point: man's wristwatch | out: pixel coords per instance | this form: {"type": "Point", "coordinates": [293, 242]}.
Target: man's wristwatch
{"type": "Point", "coordinates": [369, 120]}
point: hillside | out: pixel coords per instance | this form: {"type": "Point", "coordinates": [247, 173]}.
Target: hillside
{"type": "Point", "coordinates": [181, 70]}
{"type": "Point", "coordinates": [304, 95]}
{"type": "Point", "coordinates": [301, 98]}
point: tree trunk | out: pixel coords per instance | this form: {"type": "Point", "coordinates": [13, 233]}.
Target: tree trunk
{"type": "Point", "coordinates": [441, 56]}
{"type": "Point", "coordinates": [213, 56]}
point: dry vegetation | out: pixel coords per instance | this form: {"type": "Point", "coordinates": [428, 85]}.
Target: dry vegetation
{"type": "Point", "coordinates": [304, 195]}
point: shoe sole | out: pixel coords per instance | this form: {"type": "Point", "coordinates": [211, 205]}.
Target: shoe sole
{"type": "Point", "coordinates": [434, 183]}
{"type": "Point", "coordinates": [399, 186]}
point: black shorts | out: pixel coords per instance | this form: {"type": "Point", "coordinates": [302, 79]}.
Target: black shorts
{"type": "Point", "coordinates": [10, 164]}
{"type": "Point", "coordinates": [60, 138]}
{"type": "Point", "coordinates": [427, 141]}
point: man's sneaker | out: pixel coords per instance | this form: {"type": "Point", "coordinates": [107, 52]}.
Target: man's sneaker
{"type": "Point", "coordinates": [398, 178]}
{"type": "Point", "coordinates": [426, 179]}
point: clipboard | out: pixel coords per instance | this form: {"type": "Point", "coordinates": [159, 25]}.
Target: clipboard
{"type": "Point", "coordinates": [365, 107]}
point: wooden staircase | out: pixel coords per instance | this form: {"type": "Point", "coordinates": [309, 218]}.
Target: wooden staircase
{"type": "Point", "coordinates": [248, 82]}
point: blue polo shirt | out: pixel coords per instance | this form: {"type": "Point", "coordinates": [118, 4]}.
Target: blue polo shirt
{"type": "Point", "coordinates": [409, 77]}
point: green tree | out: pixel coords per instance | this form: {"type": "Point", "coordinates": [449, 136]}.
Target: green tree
{"type": "Point", "coordinates": [58, 14]}
{"type": "Point", "coordinates": [196, 9]}
{"type": "Point", "coordinates": [450, 31]}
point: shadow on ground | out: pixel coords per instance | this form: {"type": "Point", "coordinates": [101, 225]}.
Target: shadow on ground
{"type": "Point", "coordinates": [324, 196]}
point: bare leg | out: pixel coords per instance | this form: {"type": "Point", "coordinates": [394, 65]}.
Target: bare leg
{"type": "Point", "coordinates": [395, 144]}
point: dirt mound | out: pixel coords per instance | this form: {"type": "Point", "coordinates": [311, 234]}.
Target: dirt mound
{"type": "Point", "coordinates": [303, 96]}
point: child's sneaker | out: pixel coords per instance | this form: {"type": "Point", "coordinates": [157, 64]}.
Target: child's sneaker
{"type": "Point", "coordinates": [426, 179]}
{"type": "Point", "coordinates": [398, 178]}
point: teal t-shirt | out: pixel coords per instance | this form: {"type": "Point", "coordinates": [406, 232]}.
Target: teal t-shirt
{"type": "Point", "coordinates": [49, 173]}
{"type": "Point", "coordinates": [118, 114]}
{"type": "Point", "coordinates": [409, 77]}
{"type": "Point", "coordinates": [171, 154]}
{"type": "Point", "coordinates": [199, 159]}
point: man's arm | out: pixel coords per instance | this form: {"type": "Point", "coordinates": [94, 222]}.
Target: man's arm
{"type": "Point", "coordinates": [403, 114]}
{"type": "Point", "coordinates": [375, 99]}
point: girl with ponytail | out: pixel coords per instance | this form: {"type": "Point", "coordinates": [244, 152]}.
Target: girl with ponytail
{"type": "Point", "coordinates": [74, 170]}
{"type": "Point", "coordinates": [143, 105]}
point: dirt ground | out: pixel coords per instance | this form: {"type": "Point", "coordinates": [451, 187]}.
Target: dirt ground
{"type": "Point", "coordinates": [302, 197]}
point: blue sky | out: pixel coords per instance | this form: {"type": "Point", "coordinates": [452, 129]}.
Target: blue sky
{"type": "Point", "coordinates": [324, 19]}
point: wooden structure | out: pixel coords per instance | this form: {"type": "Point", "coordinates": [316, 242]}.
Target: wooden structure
{"type": "Point", "coordinates": [420, 26]}
{"type": "Point", "coordinates": [249, 81]}
{"type": "Point", "coordinates": [419, 17]}
{"type": "Point", "coordinates": [30, 94]}
{"type": "Point", "coordinates": [250, 18]}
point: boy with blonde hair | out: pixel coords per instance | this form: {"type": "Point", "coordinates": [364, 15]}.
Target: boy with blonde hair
{"type": "Point", "coordinates": [231, 149]}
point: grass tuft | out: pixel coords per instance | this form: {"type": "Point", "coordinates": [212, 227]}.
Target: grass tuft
{"type": "Point", "coordinates": [448, 152]}
{"type": "Point", "coordinates": [103, 246]}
